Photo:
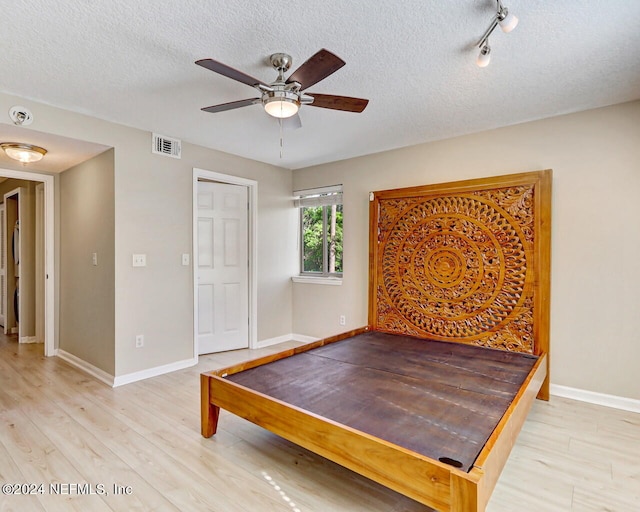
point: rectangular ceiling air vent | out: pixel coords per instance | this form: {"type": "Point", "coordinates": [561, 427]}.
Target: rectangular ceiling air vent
{"type": "Point", "coordinates": [167, 146]}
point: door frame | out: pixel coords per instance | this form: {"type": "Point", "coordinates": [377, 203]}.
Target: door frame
{"type": "Point", "coordinates": [40, 314]}
{"type": "Point", "coordinates": [49, 265]}
{"type": "Point", "coordinates": [252, 220]}
{"type": "Point", "coordinates": [3, 227]}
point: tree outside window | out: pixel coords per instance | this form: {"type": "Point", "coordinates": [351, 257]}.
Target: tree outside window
{"type": "Point", "coordinates": [322, 239]}
{"type": "Point", "coordinates": [321, 233]}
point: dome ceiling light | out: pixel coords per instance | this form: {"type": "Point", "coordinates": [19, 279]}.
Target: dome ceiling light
{"type": "Point", "coordinates": [24, 153]}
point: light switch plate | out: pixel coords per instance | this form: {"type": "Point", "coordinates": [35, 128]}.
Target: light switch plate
{"type": "Point", "coordinates": [185, 260]}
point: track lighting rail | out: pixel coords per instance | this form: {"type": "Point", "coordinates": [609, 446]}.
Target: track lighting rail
{"type": "Point", "coordinates": [507, 22]}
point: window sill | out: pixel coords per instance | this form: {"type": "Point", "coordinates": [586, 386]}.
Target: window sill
{"type": "Point", "coordinates": [335, 281]}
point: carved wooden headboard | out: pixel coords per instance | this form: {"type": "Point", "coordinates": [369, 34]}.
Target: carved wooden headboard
{"type": "Point", "coordinates": [465, 261]}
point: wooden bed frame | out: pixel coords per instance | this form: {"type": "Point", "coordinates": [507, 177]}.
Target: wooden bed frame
{"type": "Point", "coordinates": [486, 240]}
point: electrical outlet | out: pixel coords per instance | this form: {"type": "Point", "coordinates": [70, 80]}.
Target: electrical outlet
{"type": "Point", "coordinates": [343, 320]}
{"type": "Point", "coordinates": [140, 341]}
{"type": "Point", "coordinates": [139, 260]}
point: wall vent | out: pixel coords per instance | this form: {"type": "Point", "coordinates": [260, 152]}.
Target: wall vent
{"type": "Point", "coordinates": [167, 146]}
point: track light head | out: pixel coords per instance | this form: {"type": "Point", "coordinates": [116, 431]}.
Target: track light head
{"type": "Point", "coordinates": [506, 20]}
{"type": "Point", "coordinates": [484, 57]}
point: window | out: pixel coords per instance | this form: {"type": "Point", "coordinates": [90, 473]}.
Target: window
{"type": "Point", "coordinates": [321, 237]}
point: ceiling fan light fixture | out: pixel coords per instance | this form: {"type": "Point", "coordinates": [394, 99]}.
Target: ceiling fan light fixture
{"type": "Point", "coordinates": [281, 104]}
{"type": "Point", "coordinates": [281, 108]}
{"type": "Point", "coordinates": [25, 153]}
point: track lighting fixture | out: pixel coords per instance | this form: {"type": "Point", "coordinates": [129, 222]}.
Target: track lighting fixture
{"type": "Point", "coordinates": [507, 22]}
{"type": "Point", "coordinates": [484, 57]}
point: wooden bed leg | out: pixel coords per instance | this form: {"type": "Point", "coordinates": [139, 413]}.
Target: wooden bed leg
{"type": "Point", "coordinates": [464, 495]}
{"type": "Point", "coordinates": [543, 394]}
{"type": "Point", "coordinates": [208, 412]}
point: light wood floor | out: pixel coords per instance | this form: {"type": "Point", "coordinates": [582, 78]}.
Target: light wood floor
{"type": "Point", "coordinates": [59, 426]}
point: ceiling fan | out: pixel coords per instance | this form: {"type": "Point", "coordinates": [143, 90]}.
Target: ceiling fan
{"type": "Point", "coordinates": [283, 97]}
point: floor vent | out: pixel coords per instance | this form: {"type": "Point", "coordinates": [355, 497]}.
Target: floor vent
{"type": "Point", "coordinates": [167, 146]}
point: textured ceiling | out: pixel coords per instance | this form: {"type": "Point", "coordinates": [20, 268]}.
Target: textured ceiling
{"type": "Point", "coordinates": [133, 63]}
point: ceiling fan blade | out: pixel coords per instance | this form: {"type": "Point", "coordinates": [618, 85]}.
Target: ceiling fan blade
{"type": "Point", "coordinates": [316, 68]}
{"type": "Point", "coordinates": [345, 103]}
{"type": "Point", "coordinates": [231, 105]}
{"type": "Point", "coordinates": [229, 72]}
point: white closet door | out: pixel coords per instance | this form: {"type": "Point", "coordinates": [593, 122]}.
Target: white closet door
{"type": "Point", "coordinates": [223, 267]}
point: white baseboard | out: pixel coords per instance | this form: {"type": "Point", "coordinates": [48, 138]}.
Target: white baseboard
{"type": "Point", "coordinates": [81, 364]}
{"type": "Point", "coordinates": [112, 381]}
{"type": "Point", "coordinates": [592, 397]}
{"type": "Point", "coordinates": [285, 337]}
{"type": "Point", "coordinates": [29, 339]}
{"type": "Point", "coordinates": [273, 341]}
{"type": "Point", "coordinates": [153, 372]}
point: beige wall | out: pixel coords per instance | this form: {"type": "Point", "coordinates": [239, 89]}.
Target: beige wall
{"type": "Point", "coordinates": [87, 292]}
{"type": "Point", "coordinates": [153, 215]}
{"type": "Point", "coordinates": [595, 157]}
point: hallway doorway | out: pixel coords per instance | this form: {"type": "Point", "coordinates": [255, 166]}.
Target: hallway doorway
{"type": "Point", "coordinates": [40, 310]}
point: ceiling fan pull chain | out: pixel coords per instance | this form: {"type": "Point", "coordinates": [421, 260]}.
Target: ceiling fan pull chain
{"type": "Point", "coordinates": [281, 138]}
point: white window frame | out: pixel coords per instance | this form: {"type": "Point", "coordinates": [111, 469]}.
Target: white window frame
{"type": "Point", "coordinates": [322, 196]}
